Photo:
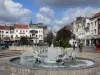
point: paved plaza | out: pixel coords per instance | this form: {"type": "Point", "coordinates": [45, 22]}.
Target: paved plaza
{"type": "Point", "coordinates": [88, 52]}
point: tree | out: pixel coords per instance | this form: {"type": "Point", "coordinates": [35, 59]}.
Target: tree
{"type": "Point", "coordinates": [49, 38]}
{"type": "Point", "coordinates": [63, 34]}
{"type": "Point", "coordinates": [62, 38]}
{"type": "Point", "coordinates": [25, 41]}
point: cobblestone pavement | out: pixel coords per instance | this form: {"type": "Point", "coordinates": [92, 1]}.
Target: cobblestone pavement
{"type": "Point", "coordinates": [2, 66]}
{"type": "Point", "coordinates": [88, 52]}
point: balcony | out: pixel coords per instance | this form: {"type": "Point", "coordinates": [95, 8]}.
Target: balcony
{"type": "Point", "coordinates": [33, 31]}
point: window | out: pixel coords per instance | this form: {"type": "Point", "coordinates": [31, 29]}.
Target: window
{"type": "Point", "coordinates": [16, 35]}
{"type": "Point", "coordinates": [20, 30]}
{"type": "Point", "coordinates": [95, 30]}
{"type": "Point", "coordinates": [88, 24]}
{"type": "Point", "coordinates": [26, 30]}
{"type": "Point", "coordinates": [2, 31]}
{"type": "Point", "coordinates": [40, 36]}
{"type": "Point", "coordinates": [92, 23]}
{"type": "Point", "coordinates": [36, 35]}
{"type": "Point", "coordinates": [92, 31]}
{"type": "Point", "coordinates": [23, 31]}
{"type": "Point", "coordinates": [11, 36]}
{"type": "Point", "coordinates": [6, 32]}
{"type": "Point", "coordinates": [30, 35]}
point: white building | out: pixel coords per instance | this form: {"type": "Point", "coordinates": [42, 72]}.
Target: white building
{"type": "Point", "coordinates": [78, 28]}
{"type": "Point", "coordinates": [87, 29]}
{"type": "Point", "coordinates": [36, 32]}
{"type": "Point", "coordinates": [5, 32]}
{"type": "Point", "coordinates": [95, 28]}
{"type": "Point", "coordinates": [21, 30]}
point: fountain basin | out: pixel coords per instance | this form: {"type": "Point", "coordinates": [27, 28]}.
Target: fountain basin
{"type": "Point", "coordinates": [15, 67]}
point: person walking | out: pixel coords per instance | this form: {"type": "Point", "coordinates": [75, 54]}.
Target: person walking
{"type": "Point", "coordinates": [73, 45]}
{"type": "Point", "coordinates": [80, 47]}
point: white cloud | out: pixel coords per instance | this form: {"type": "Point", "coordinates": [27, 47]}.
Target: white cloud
{"type": "Point", "coordinates": [14, 12]}
{"type": "Point", "coordinates": [71, 13]}
{"type": "Point", "coordinates": [46, 16]}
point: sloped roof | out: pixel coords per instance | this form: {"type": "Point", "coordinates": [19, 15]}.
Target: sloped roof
{"type": "Point", "coordinates": [68, 27]}
{"type": "Point", "coordinates": [96, 15]}
{"type": "Point", "coordinates": [5, 27]}
{"type": "Point", "coordinates": [21, 26]}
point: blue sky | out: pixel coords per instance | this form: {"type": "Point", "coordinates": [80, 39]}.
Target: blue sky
{"type": "Point", "coordinates": [30, 4]}
{"type": "Point", "coordinates": [53, 13]}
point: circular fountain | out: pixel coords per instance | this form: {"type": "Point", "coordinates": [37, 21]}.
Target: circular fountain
{"type": "Point", "coordinates": [51, 61]}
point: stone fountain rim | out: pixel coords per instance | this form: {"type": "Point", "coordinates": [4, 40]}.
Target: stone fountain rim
{"type": "Point", "coordinates": [96, 63]}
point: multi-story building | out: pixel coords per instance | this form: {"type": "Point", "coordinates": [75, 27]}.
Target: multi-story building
{"type": "Point", "coordinates": [12, 33]}
{"type": "Point", "coordinates": [21, 30]}
{"type": "Point", "coordinates": [78, 28]}
{"type": "Point", "coordinates": [5, 32]}
{"type": "Point", "coordinates": [95, 28]}
{"type": "Point", "coordinates": [36, 32]}
{"type": "Point", "coordinates": [88, 29]}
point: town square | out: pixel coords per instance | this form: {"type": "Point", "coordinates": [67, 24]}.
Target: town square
{"type": "Point", "coordinates": [50, 37]}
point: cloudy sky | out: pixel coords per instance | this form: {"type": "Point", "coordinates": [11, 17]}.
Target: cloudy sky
{"type": "Point", "coordinates": [54, 13]}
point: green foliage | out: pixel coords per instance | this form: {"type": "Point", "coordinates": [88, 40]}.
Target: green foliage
{"type": "Point", "coordinates": [49, 38]}
{"type": "Point", "coordinates": [25, 41]}
{"type": "Point", "coordinates": [63, 34]}
{"type": "Point", "coordinates": [65, 44]}
{"type": "Point", "coordinates": [62, 43]}
{"type": "Point", "coordinates": [62, 38]}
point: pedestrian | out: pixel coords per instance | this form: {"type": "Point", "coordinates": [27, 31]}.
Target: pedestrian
{"type": "Point", "coordinates": [80, 47]}
{"type": "Point", "coordinates": [73, 45]}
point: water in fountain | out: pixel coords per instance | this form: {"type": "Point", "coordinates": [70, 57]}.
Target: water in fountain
{"type": "Point", "coordinates": [49, 57]}
{"type": "Point", "coordinates": [30, 56]}
{"type": "Point", "coordinates": [52, 54]}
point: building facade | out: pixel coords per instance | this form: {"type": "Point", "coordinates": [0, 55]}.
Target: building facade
{"type": "Point", "coordinates": [78, 28]}
{"type": "Point", "coordinates": [87, 29]}
{"type": "Point", "coordinates": [36, 33]}
{"type": "Point", "coordinates": [33, 31]}
{"type": "Point", "coordinates": [21, 30]}
{"type": "Point", "coordinates": [5, 32]}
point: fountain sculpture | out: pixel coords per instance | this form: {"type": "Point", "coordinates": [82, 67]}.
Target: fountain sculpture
{"type": "Point", "coordinates": [51, 61]}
